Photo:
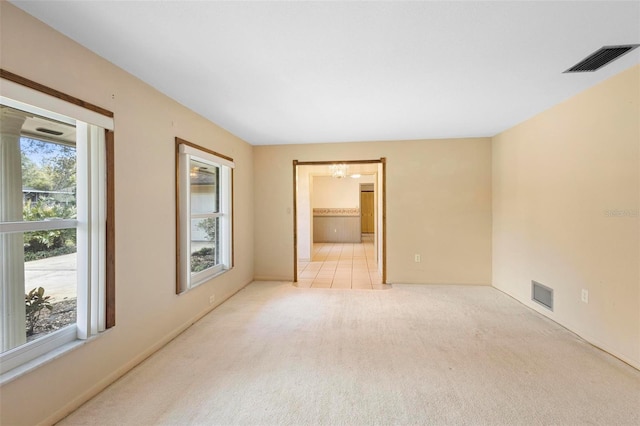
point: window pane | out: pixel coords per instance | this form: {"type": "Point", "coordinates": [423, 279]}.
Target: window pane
{"type": "Point", "coordinates": [203, 183]}
{"type": "Point", "coordinates": [204, 244]}
{"type": "Point", "coordinates": [51, 264]}
{"type": "Point", "coordinates": [48, 179]}
{"type": "Point", "coordinates": [44, 290]}
{"type": "Point", "coordinates": [203, 210]}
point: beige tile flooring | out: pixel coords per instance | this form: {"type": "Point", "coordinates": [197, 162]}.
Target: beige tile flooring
{"type": "Point", "coordinates": [344, 266]}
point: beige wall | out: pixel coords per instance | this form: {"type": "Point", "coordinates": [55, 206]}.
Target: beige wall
{"type": "Point", "coordinates": [305, 217]}
{"type": "Point", "coordinates": [148, 311]}
{"type": "Point", "coordinates": [438, 205]}
{"type": "Point", "coordinates": [556, 179]}
{"type": "Point", "coordinates": [329, 192]}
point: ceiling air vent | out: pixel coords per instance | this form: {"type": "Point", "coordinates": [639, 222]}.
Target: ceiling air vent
{"type": "Point", "coordinates": [49, 131]}
{"type": "Point", "coordinates": [601, 58]}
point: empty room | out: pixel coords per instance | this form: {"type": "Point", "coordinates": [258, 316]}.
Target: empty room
{"type": "Point", "coordinates": [310, 213]}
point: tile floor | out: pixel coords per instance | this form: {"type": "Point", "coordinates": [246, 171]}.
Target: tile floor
{"type": "Point", "coordinates": [345, 266]}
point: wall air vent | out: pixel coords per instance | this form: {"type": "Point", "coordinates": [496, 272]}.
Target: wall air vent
{"type": "Point", "coordinates": [542, 295]}
{"type": "Point", "coordinates": [601, 58]}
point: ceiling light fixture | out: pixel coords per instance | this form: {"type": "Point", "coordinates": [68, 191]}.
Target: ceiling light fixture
{"type": "Point", "coordinates": [338, 171]}
{"type": "Point", "coordinates": [356, 175]}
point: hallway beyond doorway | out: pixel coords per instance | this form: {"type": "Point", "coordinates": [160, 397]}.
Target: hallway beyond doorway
{"type": "Point", "coordinates": [344, 266]}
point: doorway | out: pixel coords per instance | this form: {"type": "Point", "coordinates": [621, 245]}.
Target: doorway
{"type": "Point", "coordinates": [367, 208]}
{"type": "Point", "coordinates": [340, 235]}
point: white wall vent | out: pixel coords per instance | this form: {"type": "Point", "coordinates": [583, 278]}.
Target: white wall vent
{"type": "Point", "coordinates": [601, 57]}
{"type": "Point", "coordinates": [542, 295]}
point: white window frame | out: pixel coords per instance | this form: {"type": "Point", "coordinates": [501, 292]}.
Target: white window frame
{"type": "Point", "coordinates": [91, 204]}
{"type": "Point", "coordinates": [187, 152]}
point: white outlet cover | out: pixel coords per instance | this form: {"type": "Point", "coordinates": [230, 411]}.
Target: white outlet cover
{"type": "Point", "coordinates": [585, 295]}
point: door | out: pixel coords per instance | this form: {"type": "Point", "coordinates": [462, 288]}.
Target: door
{"type": "Point", "coordinates": [366, 212]}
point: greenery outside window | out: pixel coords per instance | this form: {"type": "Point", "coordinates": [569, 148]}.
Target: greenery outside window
{"type": "Point", "coordinates": [204, 214]}
{"type": "Point", "coordinates": [56, 221]}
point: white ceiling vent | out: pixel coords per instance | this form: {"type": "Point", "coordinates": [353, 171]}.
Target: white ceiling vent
{"type": "Point", "coordinates": [601, 57]}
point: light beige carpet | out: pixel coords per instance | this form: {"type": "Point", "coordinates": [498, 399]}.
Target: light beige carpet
{"type": "Point", "coordinates": [279, 355]}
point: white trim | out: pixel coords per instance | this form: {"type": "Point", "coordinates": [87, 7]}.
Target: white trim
{"type": "Point", "coordinates": [100, 385]}
{"type": "Point", "coordinates": [35, 110]}
{"type": "Point", "coordinates": [16, 356]}
{"type": "Point", "coordinates": [202, 276]}
{"type": "Point", "coordinates": [187, 279]}
{"type": "Point", "coordinates": [100, 229]}
{"type": "Point", "coordinates": [33, 101]}
{"type": "Point", "coordinates": [185, 224]}
{"type": "Point", "coordinates": [225, 222]}
{"type": "Point", "coordinates": [83, 241]}
{"type": "Point", "coordinates": [569, 326]}
{"type": "Point", "coordinates": [90, 237]}
{"type": "Point", "coordinates": [37, 225]}
{"type": "Point", "coordinates": [90, 225]}
{"type": "Point", "coordinates": [213, 160]}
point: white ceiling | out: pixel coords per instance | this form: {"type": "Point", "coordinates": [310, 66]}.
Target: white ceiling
{"type": "Point", "coordinates": [303, 72]}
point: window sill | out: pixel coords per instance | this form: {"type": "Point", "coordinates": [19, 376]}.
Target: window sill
{"type": "Point", "coordinates": [208, 278]}
{"type": "Point", "coordinates": [30, 366]}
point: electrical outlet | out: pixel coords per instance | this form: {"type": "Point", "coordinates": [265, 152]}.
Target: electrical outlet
{"type": "Point", "coordinates": [417, 258]}
{"type": "Point", "coordinates": [212, 299]}
{"type": "Point", "coordinates": [585, 295]}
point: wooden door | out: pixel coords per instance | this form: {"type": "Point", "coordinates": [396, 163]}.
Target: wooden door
{"type": "Point", "coordinates": [366, 212]}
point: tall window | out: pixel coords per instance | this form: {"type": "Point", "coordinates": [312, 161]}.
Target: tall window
{"type": "Point", "coordinates": [204, 214]}
{"type": "Point", "coordinates": [53, 220]}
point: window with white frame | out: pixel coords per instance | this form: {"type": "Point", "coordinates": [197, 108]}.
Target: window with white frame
{"type": "Point", "coordinates": [203, 214]}
{"type": "Point", "coordinates": [53, 223]}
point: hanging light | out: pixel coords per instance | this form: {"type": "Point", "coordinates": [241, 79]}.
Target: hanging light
{"type": "Point", "coordinates": [338, 171]}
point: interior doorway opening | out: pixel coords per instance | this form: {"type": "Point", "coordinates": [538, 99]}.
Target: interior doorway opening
{"type": "Point", "coordinates": [339, 223]}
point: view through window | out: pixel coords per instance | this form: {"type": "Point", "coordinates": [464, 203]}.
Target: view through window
{"type": "Point", "coordinates": [204, 212]}
{"type": "Point", "coordinates": [205, 215]}
{"type": "Point", "coordinates": [50, 260]}
{"type": "Point", "coordinates": [40, 262]}
{"type": "Point", "coordinates": [52, 231]}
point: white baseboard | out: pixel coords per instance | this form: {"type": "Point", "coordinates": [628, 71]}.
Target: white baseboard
{"type": "Point", "coordinates": [111, 378]}
{"type": "Point", "coordinates": [586, 337]}
{"type": "Point", "coordinates": [273, 278]}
